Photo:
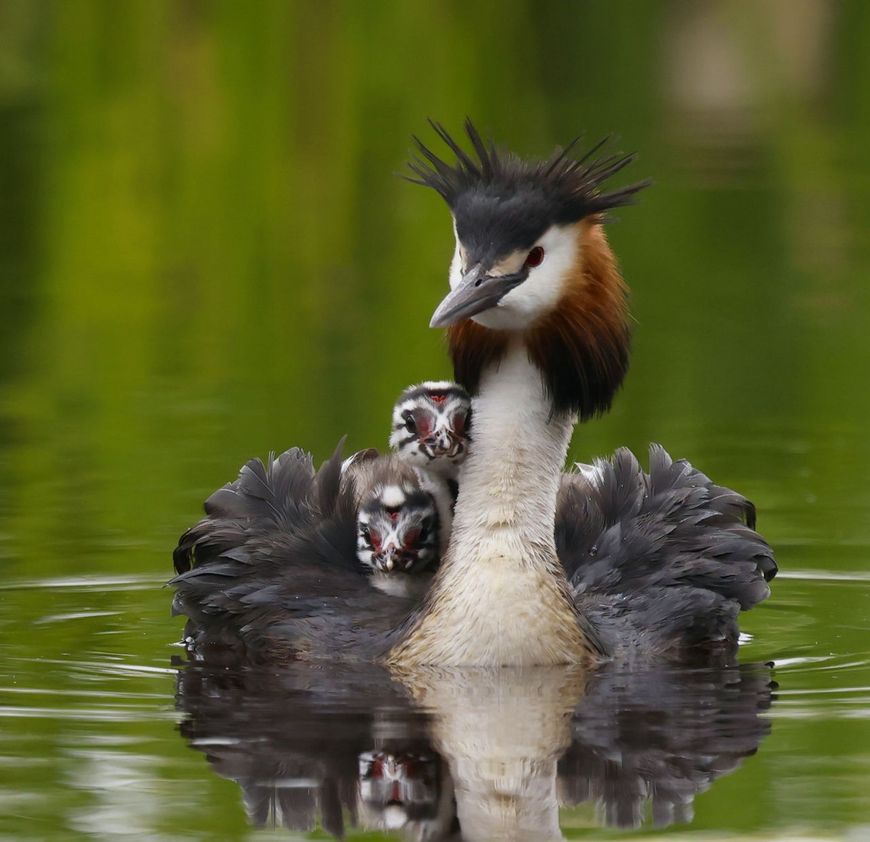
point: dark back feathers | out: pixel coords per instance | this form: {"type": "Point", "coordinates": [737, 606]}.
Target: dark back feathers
{"type": "Point", "coordinates": [274, 564]}
{"type": "Point", "coordinates": [660, 562]}
{"type": "Point", "coordinates": [665, 554]}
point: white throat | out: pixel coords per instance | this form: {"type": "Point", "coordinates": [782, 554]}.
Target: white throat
{"type": "Point", "coordinates": [509, 482]}
{"type": "Point", "coordinates": [540, 293]}
{"type": "Point", "coordinates": [500, 597]}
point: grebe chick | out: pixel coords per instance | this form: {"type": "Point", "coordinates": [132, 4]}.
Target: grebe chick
{"type": "Point", "coordinates": [398, 522]}
{"type": "Point", "coordinates": [398, 530]}
{"type": "Point", "coordinates": [430, 427]}
{"type": "Point", "coordinates": [431, 433]}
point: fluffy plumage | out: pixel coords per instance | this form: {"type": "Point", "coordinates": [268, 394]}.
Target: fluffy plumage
{"type": "Point", "coordinates": [660, 560]}
{"type": "Point", "coordinates": [281, 495]}
{"type": "Point", "coordinates": [273, 567]}
{"type": "Point", "coordinates": [430, 427]}
{"type": "Point", "coordinates": [398, 527]}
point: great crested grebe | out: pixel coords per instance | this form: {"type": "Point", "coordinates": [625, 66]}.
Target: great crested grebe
{"type": "Point", "coordinates": [659, 563]}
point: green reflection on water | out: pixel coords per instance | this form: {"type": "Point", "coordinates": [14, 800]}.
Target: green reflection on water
{"type": "Point", "coordinates": [204, 255]}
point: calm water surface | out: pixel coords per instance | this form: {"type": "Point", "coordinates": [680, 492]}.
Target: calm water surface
{"type": "Point", "coordinates": [204, 256]}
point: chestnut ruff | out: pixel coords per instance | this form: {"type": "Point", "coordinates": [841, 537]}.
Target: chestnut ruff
{"type": "Point", "coordinates": [581, 348]}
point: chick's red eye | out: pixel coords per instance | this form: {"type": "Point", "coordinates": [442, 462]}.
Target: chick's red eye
{"type": "Point", "coordinates": [535, 257]}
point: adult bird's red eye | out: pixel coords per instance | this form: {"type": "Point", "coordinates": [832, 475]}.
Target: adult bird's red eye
{"type": "Point", "coordinates": [535, 257]}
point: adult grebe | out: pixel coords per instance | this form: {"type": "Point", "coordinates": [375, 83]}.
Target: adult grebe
{"type": "Point", "coordinates": [539, 336]}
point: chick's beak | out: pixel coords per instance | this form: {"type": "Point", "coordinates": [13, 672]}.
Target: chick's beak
{"type": "Point", "coordinates": [439, 442]}
{"type": "Point", "coordinates": [477, 291]}
{"type": "Point", "coordinates": [391, 555]}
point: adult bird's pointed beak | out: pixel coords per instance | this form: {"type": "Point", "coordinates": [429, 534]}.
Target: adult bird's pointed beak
{"type": "Point", "coordinates": [476, 292]}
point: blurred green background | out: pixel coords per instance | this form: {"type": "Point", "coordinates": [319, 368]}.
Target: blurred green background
{"type": "Point", "coordinates": [205, 254]}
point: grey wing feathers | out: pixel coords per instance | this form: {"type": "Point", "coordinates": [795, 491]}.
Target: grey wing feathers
{"type": "Point", "coordinates": [681, 547]}
{"type": "Point", "coordinates": [282, 496]}
{"type": "Point", "coordinates": [278, 540]}
{"type": "Point", "coordinates": [273, 567]}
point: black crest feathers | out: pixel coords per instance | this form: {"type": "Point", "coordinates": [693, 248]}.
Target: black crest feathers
{"type": "Point", "coordinates": [571, 186]}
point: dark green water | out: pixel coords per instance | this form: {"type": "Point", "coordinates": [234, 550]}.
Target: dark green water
{"type": "Point", "coordinates": [205, 255]}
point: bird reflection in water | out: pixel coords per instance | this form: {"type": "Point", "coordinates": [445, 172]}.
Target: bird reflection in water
{"type": "Point", "coordinates": [399, 789]}
{"type": "Point", "coordinates": [470, 754]}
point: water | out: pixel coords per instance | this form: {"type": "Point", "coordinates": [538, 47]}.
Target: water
{"type": "Point", "coordinates": [204, 256]}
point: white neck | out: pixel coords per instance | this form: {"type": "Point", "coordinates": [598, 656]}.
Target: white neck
{"type": "Point", "coordinates": [500, 597]}
{"type": "Point", "coordinates": [509, 482]}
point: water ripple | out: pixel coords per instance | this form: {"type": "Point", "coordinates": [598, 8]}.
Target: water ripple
{"type": "Point", "coordinates": [88, 583]}
{"type": "Point", "coordinates": [124, 714]}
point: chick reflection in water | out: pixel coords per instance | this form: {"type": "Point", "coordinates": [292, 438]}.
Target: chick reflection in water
{"type": "Point", "coordinates": [470, 754]}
